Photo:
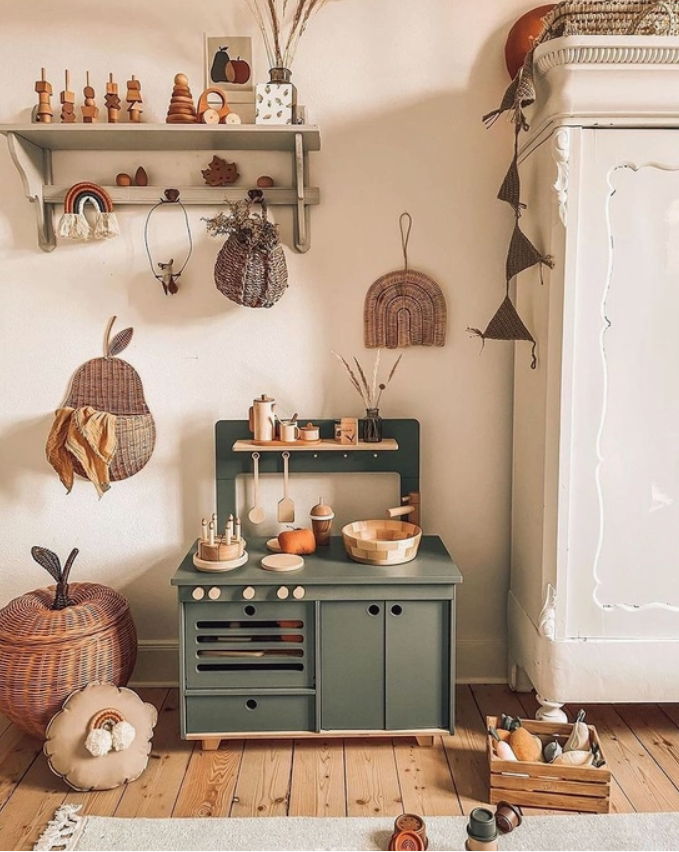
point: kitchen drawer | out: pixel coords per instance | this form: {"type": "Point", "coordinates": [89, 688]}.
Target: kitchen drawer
{"type": "Point", "coordinates": [243, 645]}
{"type": "Point", "coordinates": [227, 714]}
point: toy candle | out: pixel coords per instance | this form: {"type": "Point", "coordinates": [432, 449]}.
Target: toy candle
{"type": "Point", "coordinates": [229, 529]}
{"type": "Point", "coordinates": [236, 529]}
{"type": "Point", "coordinates": [212, 533]}
{"type": "Point", "coordinates": [203, 535]}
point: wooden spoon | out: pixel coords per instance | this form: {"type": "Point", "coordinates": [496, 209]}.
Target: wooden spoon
{"type": "Point", "coordinates": [256, 514]}
{"type": "Point", "coordinates": [286, 508]}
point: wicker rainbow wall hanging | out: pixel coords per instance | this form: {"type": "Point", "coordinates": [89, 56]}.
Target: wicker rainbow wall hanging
{"type": "Point", "coordinates": [74, 225]}
{"type": "Point", "coordinates": [406, 307]}
{"type": "Point", "coordinates": [104, 431]}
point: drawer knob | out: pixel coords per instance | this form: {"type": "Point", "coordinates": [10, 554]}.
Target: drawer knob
{"type": "Point", "coordinates": [248, 593]}
{"type": "Point", "coordinates": [215, 593]}
{"type": "Point", "coordinates": [298, 593]}
{"type": "Point", "coordinates": [283, 593]}
{"type": "Point", "coordinates": [198, 593]}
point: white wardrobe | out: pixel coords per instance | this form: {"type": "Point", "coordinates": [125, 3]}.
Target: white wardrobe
{"type": "Point", "coordinates": [594, 593]}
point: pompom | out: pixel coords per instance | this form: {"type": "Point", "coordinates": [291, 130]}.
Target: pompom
{"type": "Point", "coordinates": [122, 736]}
{"type": "Point", "coordinates": [99, 742]}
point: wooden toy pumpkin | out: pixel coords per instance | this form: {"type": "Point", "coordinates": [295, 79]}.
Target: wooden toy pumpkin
{"type": "Point", "coordinates": [54, 641]}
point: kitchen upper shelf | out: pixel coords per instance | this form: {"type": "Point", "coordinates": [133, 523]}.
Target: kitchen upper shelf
{"type": "Point", "coordinates": [31, 146]}
{"type": "Point", "coordinates": [248, 446]}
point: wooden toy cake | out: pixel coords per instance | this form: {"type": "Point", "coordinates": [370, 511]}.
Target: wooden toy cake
{"type": "Point", "coordinates": [220, 553]}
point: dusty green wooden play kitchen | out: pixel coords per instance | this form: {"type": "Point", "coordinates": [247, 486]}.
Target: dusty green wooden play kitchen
{"type": "Point", "coordinates": [335, 648]}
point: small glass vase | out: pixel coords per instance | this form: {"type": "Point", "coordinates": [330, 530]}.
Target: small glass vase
{"type": "Point", "coordinates": [372, 426]}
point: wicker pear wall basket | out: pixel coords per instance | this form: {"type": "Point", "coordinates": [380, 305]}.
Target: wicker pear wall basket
{"type": "Point", "coordinates": [56, 640]}
{"type": "Point", "coordinates": [111, 385]}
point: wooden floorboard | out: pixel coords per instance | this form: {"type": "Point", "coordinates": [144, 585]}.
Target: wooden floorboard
{"type": "Point", "coordinates": [335, 777]}
{"type": "Point", "coordinates": [318, 782]}
{"type": "Point", "coordinates": [264, 780]}
{"type": "Point", "coordinates": [372, 782]}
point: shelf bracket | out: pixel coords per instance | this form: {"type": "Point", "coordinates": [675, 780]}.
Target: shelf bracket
{"type": "Point", "coordinates": [34, 164]}
{"type": "Point", "coordinates": [301, 223]}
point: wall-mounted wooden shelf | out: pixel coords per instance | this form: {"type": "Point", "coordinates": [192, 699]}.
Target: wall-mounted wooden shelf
{"type": "Point", "coordinates": [246, 446]}
{"type": "Point", "coordinates": [31, 146]}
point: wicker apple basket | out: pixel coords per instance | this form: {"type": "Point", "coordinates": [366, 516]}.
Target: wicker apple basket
{"type": "Point", "coordinates": [56, 640]}
{"type": "Point", "coordinates": [381, 542]}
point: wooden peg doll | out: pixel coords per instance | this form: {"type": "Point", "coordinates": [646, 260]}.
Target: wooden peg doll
{"type": "Point", "coordinates": [112, 100]}
{"type": "Point", "coordinates": [90, 110]}
{"type": "Point", "coordinates": [44, 90]}
{"type": "Point", "coordinates": [134, 109]}
{"type": "Point", "coordinates": [67, 98]}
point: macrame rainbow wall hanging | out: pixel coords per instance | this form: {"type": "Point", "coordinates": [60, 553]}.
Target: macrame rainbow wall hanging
{"type": "Point", "coordinates": [74, 225]}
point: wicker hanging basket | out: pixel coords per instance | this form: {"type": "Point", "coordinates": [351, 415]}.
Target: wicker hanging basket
{"type": "Point", "coordinates": [56, 640]}
{"type": "Point", "coordinates": [251, 269]}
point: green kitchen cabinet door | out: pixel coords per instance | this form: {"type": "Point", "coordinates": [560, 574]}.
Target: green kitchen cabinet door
{"type": "Point", "coordinates": [352, 665]}
{"type": "Point", "coordinates": [417, 664]}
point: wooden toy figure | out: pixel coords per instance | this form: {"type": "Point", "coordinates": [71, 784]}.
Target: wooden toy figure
{"type": "Point", "coordinates": [134, 109]}
{"type": "Point", "coordinates": [112, 100]}
{"type": "Point", "coordinates": [89, 109]}
{"type": "Point", "coordinates": [44, 90]}
{"type": "Point", "coordinates": [67, 98]}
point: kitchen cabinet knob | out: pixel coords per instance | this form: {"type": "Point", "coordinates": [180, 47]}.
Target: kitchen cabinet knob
{"type": "Point", "coordinates": [298, 593]}
{"type": "Point", "coordinates": [283, 593]}
{"type": "Point", "coordinates": [198, 593]}
{"type": "Point", "coordinates": [215, 593]}
{"type": "Point", "coordinates": [248, 593]}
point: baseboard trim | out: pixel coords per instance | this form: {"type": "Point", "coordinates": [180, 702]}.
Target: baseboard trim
{"type": "Point", "coordinates": [478, 661]}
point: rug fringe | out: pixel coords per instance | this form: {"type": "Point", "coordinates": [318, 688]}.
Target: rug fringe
{"type": "Point", "coordinates": [60, 831]}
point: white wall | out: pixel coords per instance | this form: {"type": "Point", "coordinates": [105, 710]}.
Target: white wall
{"type": "Point", "coordinates": [398, 90]}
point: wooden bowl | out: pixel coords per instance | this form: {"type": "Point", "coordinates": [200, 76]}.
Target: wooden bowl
{"type": "Point", "coordinates": [382, 542]}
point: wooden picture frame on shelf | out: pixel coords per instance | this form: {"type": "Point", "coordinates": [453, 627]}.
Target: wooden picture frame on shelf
{"type": "Point", "coordinates": [228, 66]}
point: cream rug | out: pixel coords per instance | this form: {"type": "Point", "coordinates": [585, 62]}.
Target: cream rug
{"type": "Point", "coordinates": [68, 831]}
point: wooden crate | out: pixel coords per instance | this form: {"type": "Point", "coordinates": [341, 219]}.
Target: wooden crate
{"type": "Point", "coordinates": [546, 785]}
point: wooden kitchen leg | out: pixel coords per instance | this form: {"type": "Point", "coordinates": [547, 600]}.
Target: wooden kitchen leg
{"type": "Point", "coordinates": [211, 744]}
{"type": "Point", "coordinates": [425, 741]}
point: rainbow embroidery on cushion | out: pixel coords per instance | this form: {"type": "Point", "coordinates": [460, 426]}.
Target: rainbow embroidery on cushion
{"type": "Point", "coordinates": [74, 225]}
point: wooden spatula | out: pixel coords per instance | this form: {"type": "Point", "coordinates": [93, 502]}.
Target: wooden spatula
{"type": "Point", "coordinates": [286, 508]}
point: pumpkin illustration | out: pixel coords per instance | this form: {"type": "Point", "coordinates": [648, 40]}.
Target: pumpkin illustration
{"type": "Point", "coordinates": [53, 641]}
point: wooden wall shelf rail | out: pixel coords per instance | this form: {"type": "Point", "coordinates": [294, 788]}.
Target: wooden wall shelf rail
{"type": "Point", "coordinates": [31, 146]}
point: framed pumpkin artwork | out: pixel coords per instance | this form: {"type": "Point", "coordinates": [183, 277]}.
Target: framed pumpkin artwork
{"type": "Point", "coordinates": [228, 66]}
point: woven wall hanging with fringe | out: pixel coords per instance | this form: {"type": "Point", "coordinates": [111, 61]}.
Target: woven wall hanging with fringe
{"type": "Point", "coordinates": [104, 431]}
{"type": "Point", "coordinates": [74, 225]}
{"type": "Point", "coordinates": [406, 307]}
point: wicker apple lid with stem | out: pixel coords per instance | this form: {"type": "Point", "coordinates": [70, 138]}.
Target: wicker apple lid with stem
{"type": "Point", "coordinates": [55, 640]}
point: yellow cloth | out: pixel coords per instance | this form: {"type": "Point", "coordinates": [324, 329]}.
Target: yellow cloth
{"type": "Point", "coordinates": [82, 435]}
